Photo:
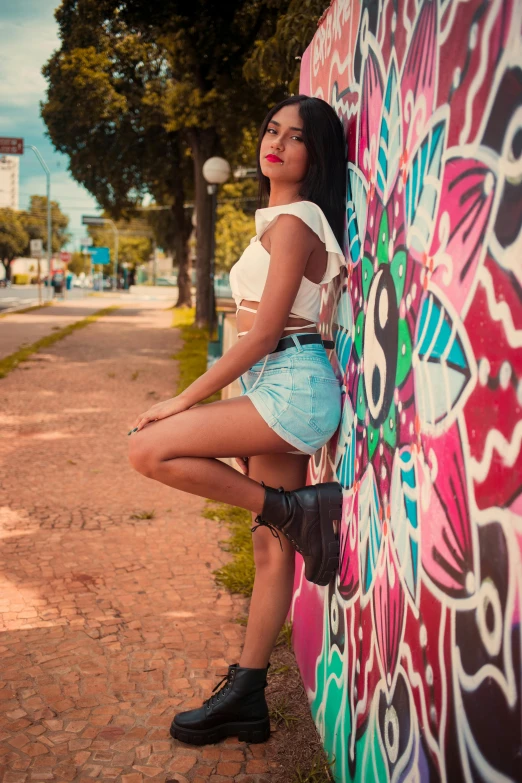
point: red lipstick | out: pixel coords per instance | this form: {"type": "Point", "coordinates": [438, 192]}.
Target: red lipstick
{"type": "Point", "coordinates": [273, 159]}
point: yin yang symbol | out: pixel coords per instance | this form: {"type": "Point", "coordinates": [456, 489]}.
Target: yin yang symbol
{"type": "Point", "coordinates": [380, 344]}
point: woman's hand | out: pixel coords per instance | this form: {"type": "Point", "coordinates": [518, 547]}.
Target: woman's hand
{"type": "Point", "coordinates": [161, 410]}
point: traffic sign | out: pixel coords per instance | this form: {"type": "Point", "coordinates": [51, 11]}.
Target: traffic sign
{"type": "Point", "coordinates": [65, 257]}
{"type": "Point", "coordinates": [93, 221]}
{"type": "Point", "coordinates": [11, 146]}
{"type": "Point", "coordinates": [99, 255]}
{"type": "Point", "coordinates": [36, 248]}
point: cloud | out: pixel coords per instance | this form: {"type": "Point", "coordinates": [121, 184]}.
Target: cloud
{"type": "Point", "coordinates": [25, 49]}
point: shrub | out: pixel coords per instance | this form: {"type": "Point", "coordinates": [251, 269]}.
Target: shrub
{"type": "Point", "coordinates": [21, 279]}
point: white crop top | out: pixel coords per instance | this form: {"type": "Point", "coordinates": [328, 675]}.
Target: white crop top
{"type": "Point", "coordinates": [248, 276]}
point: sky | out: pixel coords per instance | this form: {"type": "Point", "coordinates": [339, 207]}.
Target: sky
{"type": "Point", "coordinates": [29, 37]}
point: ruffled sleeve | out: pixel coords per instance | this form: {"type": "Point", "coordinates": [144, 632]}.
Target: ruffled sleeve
{"type": "Point", "coordinates": [314, 217]}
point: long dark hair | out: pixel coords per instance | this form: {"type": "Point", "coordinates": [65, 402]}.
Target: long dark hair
{"type": "Point", "coordinates": [323, 136]}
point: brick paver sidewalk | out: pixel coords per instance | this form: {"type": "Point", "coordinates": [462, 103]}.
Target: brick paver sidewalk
{"type": "Point", "coordinates": [108, 624]}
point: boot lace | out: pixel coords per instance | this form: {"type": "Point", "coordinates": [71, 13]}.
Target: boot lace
{"type": "Point", "coordinates": [262, 523]}
{"type": "Point", "coordinates": [227, 679]}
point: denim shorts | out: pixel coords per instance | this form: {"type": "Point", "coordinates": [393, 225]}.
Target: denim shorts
{"type": "Point", "coordinates": [298, 395]}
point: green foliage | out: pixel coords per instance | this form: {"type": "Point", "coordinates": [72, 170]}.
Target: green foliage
{"type": "Point", "coordinates": [133, 249]}
{"type": "Point", "coordinates": [156, 89]}
{"type": "Point", "coordinates": [192, 356]}
{"type": "Point", "coordinates": [115, 138]}
{"type": "Point", "coordinates": [80, 262]}
{"type": "Point", "coordinates": [34, 220]}
{"type": "Point", "coordinates": [235, 225]}
{"type": "Point", "coordinates": [238, 575]}
{"type": "Point", "coordinates": [234, 229]}
{"type": "Point", "coordinates": [276, 59]}
{"type": "Point", "coordinates": [21, 279]}
{"type": "Point", "coordinates": [9, 363]}
{"type": "Point", "coordinates": [13, 236]}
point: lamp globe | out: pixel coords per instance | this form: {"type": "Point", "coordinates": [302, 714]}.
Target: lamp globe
{"type": "Point", "coordinates": [216, 170]}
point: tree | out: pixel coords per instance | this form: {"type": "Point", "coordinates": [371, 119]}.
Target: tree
{"type": "Point", "coordinates": [13, 238]}
{"type": "Point", "coordinates": [115, 138]}
{"type": "Point", "coordinates": [180, 63]}
{"type": "Point", "coordinates": [277, 59]}
{"type": "Point", "coordinates": [173, 229]}
{"type": "Point", "coordinates": [235, 224]}
{"type": "Point", "coordinates": [208, 98]}
{"type": "Point", "coordinates": [80, 262]}
{"type": "Point", "coordinates": [34, 221]}
{"type": "Point", "coordinates": [134, 246]}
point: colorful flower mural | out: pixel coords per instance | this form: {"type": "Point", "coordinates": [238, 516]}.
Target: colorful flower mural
{"type": "Point", "coordinates": [412, 658]}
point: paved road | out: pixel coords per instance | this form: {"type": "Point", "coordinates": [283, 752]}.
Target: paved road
{"type": "Point", "coordinates": [108, 624]}
{"type": "Point", "coordinates": [27, 295]}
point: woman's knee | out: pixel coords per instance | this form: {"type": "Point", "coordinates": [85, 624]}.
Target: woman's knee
{"type": "Point", "coordinates": [141, 455]}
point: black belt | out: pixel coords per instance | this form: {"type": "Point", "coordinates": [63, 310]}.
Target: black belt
{"type": "Point", "coordinates": [304, 339]}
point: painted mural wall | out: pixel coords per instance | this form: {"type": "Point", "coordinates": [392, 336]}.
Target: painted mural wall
{"type": "Point", "coordinates": [412, 658]}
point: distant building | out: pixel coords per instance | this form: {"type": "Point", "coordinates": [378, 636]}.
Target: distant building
{"type": "Point", "coordinates": [9, 181]}
{"type": "Point", "coordinates": [29, 266]}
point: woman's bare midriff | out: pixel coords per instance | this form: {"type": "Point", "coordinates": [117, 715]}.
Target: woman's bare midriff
{"type": "Point", "coordinates": [245, 321]}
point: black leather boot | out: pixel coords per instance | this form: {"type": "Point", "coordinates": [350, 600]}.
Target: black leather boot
{"type": "Point", "coordinates": [306, 516]}
{"type": "Point", "coordinates": [238, 709]}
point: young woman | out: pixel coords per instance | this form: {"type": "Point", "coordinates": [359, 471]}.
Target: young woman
{"type": "Point", "coordinates": [290, 404]}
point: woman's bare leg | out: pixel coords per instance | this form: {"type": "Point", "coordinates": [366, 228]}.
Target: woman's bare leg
{"type": "Point", "coordinates": [181, 451]}
{"type": "Point", "coordinates": [272, 594]}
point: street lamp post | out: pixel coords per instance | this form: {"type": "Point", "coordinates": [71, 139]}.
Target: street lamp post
{"type": "Point", "coordinates": [216, 171]}
{"type": "Point", "coordinates": [49, 225]}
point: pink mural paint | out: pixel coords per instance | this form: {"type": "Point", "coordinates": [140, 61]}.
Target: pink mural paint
{"type": "Point", "coordinates": [412, 656]}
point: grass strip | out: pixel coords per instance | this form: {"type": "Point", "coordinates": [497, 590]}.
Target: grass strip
{"type": "Point", "coordinates": [27, 309]}
{"type": "Point", "coordinates": [238, 575]}
{"type": "Point", "coordinates": [192, 356]}
{"type": "Point", "coordinates": [12, 361]}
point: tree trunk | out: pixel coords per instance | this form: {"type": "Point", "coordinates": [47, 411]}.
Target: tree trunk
{"type": "Point", "coordinates": [183, 230]}
{"type": "Point", "coordinates": [7, 266]}
{"type": "Point", "coordinates": [203, 143]}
